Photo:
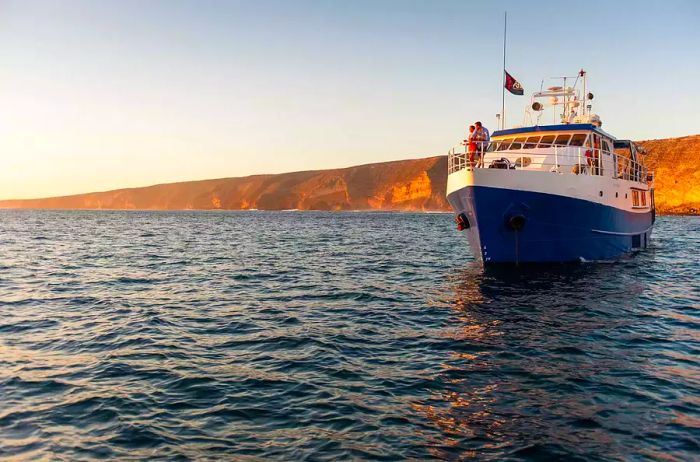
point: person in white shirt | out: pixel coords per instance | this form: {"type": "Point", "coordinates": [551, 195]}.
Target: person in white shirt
{"type": "Point", "coordinates": [483, 136]}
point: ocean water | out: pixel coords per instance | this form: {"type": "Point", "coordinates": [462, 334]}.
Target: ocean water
{"type": "Point", "coordinates": [336, 336]}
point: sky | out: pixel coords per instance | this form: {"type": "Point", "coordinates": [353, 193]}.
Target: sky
{"type": "Point", "coordinates": [98, 95]}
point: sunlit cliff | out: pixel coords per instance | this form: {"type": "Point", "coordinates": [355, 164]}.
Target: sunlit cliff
{"type": "Point", "coordinates": [676, 166]}
{"type": "Point", "coordinates": [400, 185]}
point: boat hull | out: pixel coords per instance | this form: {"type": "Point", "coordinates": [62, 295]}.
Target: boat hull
{"type": "Point", "coordinates": [518, 226]}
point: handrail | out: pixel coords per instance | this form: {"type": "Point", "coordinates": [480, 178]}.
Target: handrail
{"type": "Point", "coordinates": [582, 160]}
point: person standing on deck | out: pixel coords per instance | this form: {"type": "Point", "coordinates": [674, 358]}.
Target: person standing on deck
{"type": "Point", "coordinates": [598, 170]}
{"type": "Point", "coordinates": [471, 144]}
{"type": "Point", "coordinates": [483, 137]}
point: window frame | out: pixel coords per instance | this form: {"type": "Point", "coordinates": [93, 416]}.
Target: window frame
{"type": "Point", "coordinates": [583, 140]}
{"type": "Point", "coordinates": [520, 141]}
{"type": "Point", "coordinates": [568, 139]}
{"type": "Point", "coordinates": [549, 144]}
{"type": "Point", "coordinates": [528, 144]}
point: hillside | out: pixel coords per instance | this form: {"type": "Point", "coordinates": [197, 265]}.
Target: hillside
{"type": "Point", "coordinates": [400, 185]}
{"type": "Point", "coordinates": [676, 166]}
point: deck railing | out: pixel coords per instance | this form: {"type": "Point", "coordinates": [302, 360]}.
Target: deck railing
{"type": "Point", "coordinates": [577, 160]}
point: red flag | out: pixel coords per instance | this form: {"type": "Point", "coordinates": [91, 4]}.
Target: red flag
{"type": "Point", "coordinates": [513, 85]}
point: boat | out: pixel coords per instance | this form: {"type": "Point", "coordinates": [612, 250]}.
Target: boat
{"type": "Point", "coordinates": [566, 191]}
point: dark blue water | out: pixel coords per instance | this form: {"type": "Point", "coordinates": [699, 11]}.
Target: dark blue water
{"type": "Point", "coordinates": [330, 336]}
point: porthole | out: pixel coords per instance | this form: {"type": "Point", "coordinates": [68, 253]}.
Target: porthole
{"type": "Point", "coordinates": [523, 161]}
{"type": "Point", "coordinates": [615, 194]}
{"type": "Point", "coordinates": [601, 194]}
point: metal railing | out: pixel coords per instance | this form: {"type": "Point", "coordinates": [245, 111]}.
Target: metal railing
{"type": "Point", "coordinates": [549, 157]}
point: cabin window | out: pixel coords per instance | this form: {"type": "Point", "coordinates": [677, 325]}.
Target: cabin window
{"type": "Point", "coordinates": [578, 139]}
{"type": "Point", "coordinates": [635, 198]}
{"type": "Point", "coordinates": [623, 154]}
{"type": "Point", "coordinates": [606, 147]}
{"type": "Point", "coordinates": [531, 142]}
{"type": "Point", "coordinates": [517, 144]}
{"type": "Point", "coordinates": [501, 145]}
{"type": "Point", "coordinates": [546, 141]}
{"type": "Point", "coordinates": [644, 198]}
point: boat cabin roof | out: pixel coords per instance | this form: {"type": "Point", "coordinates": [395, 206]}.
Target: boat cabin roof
{"type": "Point", "coordinates": [553, 128]}
{"type": "Point", "coordinates": [631, 145]}
{"type": "Point", "coordinates": [622, 144]}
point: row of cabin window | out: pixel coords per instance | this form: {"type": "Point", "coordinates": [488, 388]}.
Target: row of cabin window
{"type": "Point", "coordinates": [532, 142]}
{"type": "Point", "coordinates": [636, 196]}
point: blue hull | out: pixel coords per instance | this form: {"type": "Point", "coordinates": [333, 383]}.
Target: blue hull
{"type": "Point", "coordinates": [511, 226]}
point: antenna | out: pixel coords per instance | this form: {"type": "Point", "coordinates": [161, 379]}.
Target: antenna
{"type": "Point", "coordinates": [566, 98]}
{"type": "Point", "coordinates": [503, 84]}
{"type": "Point", "coordinates": [586, 108]}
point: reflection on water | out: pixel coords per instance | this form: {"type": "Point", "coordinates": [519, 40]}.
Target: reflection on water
{"type": "Point", "coordinates": [344, 336]}
{"type": "Point", "coordinates": [556, 361]}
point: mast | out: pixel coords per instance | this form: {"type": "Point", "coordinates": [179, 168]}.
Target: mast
{"type": "Point", "coordinates": [503, 83]}
{"type": "Point", "coordinates": [582, 73]}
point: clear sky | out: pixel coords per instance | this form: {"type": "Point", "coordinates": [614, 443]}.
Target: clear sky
{"type": "Point", "coordinates": [97, 95]}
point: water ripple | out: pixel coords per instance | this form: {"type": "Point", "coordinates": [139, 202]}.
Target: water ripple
{"type": "Point", "coordinates": [289, 336]}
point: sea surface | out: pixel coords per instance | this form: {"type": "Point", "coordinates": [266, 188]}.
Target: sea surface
{"type": "Point", "coordinates": [336, 336]}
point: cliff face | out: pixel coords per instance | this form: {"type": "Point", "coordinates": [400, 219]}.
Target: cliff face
{"type": "Point", "coordinates": [401, 185]}
{"type": "Point", "coordinates": [676, 166]}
